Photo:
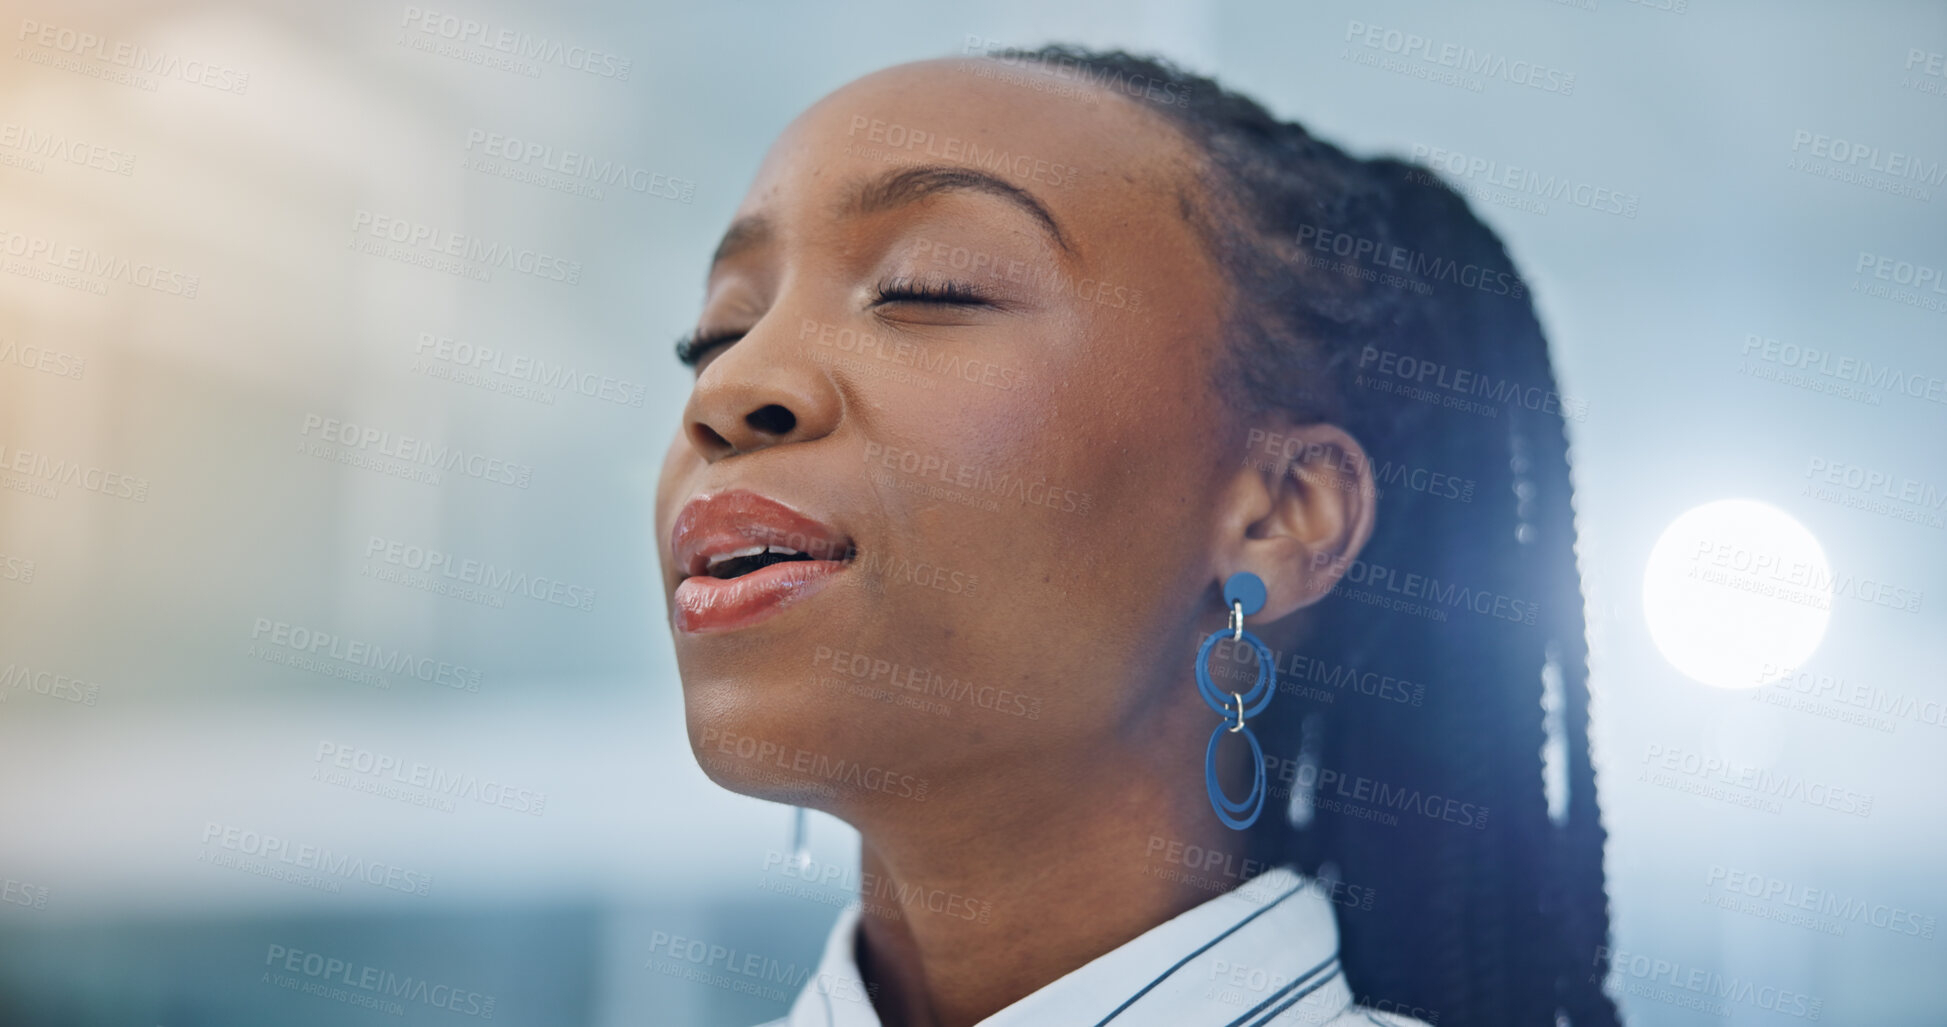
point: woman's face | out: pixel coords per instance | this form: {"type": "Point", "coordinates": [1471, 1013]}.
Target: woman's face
{"type": "Point", "coordinates": [967, 334]}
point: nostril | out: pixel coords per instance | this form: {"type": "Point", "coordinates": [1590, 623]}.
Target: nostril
{"type": "Point", "coordinates": [772, 420]}
{"type": "Point", "coordinates": [707, 439]}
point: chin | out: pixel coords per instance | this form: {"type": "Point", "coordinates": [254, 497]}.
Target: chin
{"type": "Point", "coordinates": [785, 738]}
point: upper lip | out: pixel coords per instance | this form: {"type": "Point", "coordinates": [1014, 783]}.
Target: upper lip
{"type": "Point", "coordinates": [721, 525]}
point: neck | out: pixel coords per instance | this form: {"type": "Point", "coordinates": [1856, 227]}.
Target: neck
{"type": "Point", "coordinates": [969, 912]}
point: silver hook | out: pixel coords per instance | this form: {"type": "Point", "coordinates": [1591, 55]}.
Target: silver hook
{"type": "Point", "coordinates": [800, 849]}
{"type": "Point", "coordinates": [1240, 713]}
{"type": "Point", "coordinates": [1237, 621]}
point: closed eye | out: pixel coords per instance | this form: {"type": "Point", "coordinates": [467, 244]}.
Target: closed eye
{"type": "Point", "coordinates": [690, 348]}
{"type": "Point", "coordinates": [912, 290]}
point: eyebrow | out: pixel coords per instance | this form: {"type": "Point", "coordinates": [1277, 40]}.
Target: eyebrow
{"type": "Point", "coordinates": [897, 188]}
{"type": "Point", "coordinates": [904, 186]}
{"type": "Point", "coordinates": [747, 232]}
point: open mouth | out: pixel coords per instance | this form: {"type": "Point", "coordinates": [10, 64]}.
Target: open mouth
{"type": "Point", "coordinates": [745, 557]}
{"type": "Point", "coordinates": [737, 563]}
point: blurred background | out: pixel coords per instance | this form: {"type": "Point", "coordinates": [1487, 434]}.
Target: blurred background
{"type": "Point", "coordinates": [283, 704]}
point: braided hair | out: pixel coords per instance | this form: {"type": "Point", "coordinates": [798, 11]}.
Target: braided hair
{"type": "Point", "coordinates": [1365, 293]}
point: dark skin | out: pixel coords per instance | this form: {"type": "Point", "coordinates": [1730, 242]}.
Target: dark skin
{"type": "Point", "coordinates": [1106, 314]}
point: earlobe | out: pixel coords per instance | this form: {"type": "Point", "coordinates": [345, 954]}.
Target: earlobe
{"type": "Point", "coordinates": [1314, 500]}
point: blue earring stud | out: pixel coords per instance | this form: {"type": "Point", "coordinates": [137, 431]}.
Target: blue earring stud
{"type": "Point", "coordinates": [1244, 595]}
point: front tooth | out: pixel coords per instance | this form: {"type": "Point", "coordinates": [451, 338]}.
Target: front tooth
{"type": "Point", "coordinates": [734, 555]}
{"type": "Point", "coordinates": [786, 550]}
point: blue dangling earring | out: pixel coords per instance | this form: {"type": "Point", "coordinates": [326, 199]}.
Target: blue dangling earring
{"type": "Point", "coordinates": [1244, 595]}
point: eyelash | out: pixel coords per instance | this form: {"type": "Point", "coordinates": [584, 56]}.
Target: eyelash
{"type": "Point", "coordinates": [690, 348]}
{"type": "Point", "coordinates": [911, 290]}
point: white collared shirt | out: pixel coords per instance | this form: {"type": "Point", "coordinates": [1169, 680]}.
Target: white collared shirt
{"type": "Point", "coordinates": [1263, 955]}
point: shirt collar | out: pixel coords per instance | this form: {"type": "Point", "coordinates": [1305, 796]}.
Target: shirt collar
{"type": "Point", "coordinates": [1264, 952]}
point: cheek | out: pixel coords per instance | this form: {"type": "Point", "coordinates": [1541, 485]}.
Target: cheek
{"type": "Point", "coordinates": [1070, 509]}
{"type": "Point", "coordinates": [984, 475]}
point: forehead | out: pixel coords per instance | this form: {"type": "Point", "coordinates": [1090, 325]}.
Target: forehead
{"type": "Point", "coordinates": [1095, 158]}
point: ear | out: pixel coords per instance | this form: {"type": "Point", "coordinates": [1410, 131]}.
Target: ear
{"type": "Point", "coordinates": [1300, 508]}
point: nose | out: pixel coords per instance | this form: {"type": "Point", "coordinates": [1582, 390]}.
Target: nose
{"type": "Point", "coordinates": [760, 391]}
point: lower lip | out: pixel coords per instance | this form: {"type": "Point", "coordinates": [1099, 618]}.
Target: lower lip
{"type": "Point", "coordinates": [703, 605]}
